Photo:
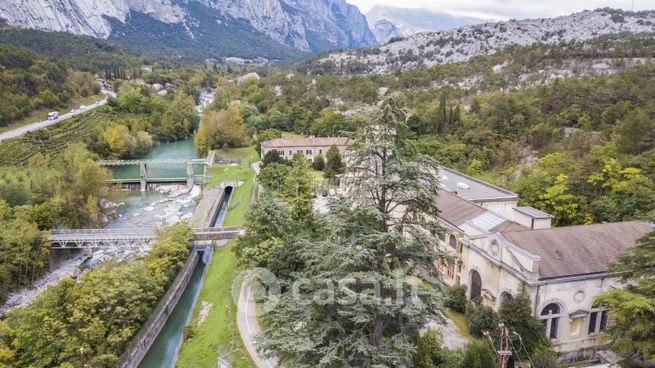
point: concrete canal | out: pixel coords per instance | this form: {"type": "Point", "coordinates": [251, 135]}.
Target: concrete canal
{"type": "Point", "coordinates": [164, 351]}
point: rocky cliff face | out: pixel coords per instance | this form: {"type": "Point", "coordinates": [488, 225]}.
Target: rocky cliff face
{"type": "Point", "coordinates": [387, 22]}
{"type": "Point", "coordinates": [431, 48]}
{"type": "Point", "coordinates": [306, 25]}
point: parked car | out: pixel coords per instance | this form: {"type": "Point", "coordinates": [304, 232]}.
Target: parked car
{"type": "Point", "coordinates": [325, 193]}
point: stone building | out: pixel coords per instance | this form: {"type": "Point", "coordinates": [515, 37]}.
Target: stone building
{"type": "Point", "coordinates": [501, 247]}
{"type": "Point", "coordinates": [310, 147]}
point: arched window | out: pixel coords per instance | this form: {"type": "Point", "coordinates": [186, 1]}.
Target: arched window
{"type": "Point", "coordinates": [476, 284]}
{"type": "Point", "coordinates": [550, 316]}
{"type": "Point", "coordinates": [505, 295]}
{"type": "Point", "coordinates": [452, 241]}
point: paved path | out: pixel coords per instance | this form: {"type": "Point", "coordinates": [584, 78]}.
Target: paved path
{"type": "Point", "coordinates": [249, 327]}
{"type": "Point", "coordinates": [46, 123]}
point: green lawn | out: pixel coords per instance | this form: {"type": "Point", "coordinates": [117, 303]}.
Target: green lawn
{"type": "Point", "coordinates": [241, 197]}
{"type": "Point", "coordinates": [218, 335]}
{"type": "Point", "coordinates": [460, 321]}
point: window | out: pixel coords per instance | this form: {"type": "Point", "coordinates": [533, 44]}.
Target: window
{"type": "Point", "coordinates": [451, 270]}
{"type": "Point", "coordinates": [550, 316]}
{"type": "Point", "coordinates": [597, 321]}
{"type": "Point", "coordinates": [476, 284]}
{"type": "Point", "coordinates": [308, 152]}
{"type": "Point", "coordinates": [290, 153]}
{"type": "Point", "coordinates": [320, 152]}
{"type": "Point", "coordinates": [452, 241]}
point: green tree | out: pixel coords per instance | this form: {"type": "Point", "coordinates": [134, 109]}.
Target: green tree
{"type": "Point", "coordinates": [319, 163]}
{"type": "Point", "coordinates": [633, 307]}
{"type": "Point", "coordinates": [430, 354]}
{"type": "Point", "coordinates": [455, 298]}
{"type": "Point", "coordinates": [372, 248]}
{"type": "Point", "coordinates": [516, 314]}
{"type": "Point", "coordinates": [479, 354]}
{"type": "Point", "coordinates": [334, 163]}
{"type": "Point", "coordinates": [221, 129]}
{"type": "Point", "coordinates": [480, 319]}
{"type": "Point", "coordinates": [267, 227]}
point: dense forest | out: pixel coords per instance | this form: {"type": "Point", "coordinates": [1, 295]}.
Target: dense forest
{"type": "Point", "coordinates": [99, 313]}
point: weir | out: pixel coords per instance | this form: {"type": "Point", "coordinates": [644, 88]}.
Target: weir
{"type": "Point", "coordinates": [143, 178]}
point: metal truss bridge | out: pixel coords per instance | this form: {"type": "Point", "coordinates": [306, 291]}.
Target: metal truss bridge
{"type": "Point", "coordinates": [103, 238]}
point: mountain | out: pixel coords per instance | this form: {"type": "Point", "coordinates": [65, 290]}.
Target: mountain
{"type": "Point", "coordinates": [387, 22]}
{"type": "Point", "coordinates": [433, 48]}
{"type": "Point", "coordinates": [211, 28]}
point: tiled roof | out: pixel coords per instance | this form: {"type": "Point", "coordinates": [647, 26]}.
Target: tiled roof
{"type": "Point", "coordinates": [578, 250]}
{"type": "Point", "coordinates": [306, 142]}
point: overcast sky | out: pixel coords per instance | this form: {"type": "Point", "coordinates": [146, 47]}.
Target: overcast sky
{"type": "Point", "coordinates": [506, 9]}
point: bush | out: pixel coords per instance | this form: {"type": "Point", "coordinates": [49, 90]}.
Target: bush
{"type": "Point", "coordinates": [429, 353]}
{"type": "Point", "coordinates": [455, 298]}
{"type": "Point", "coordinates": [319, 163]}
{"type": "Point", "coordinates": [480, 319]}
{"type": "Point", "coordinates": [479, 354]}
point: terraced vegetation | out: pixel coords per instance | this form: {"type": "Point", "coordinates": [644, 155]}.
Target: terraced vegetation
{"type": "Point", "coordinates": [52, 140]}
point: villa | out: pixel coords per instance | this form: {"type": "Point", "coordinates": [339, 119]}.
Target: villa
{"type": "Point", "coordinates": [500, 247]}
{"type": "Point", "coordinates": [311, 147]}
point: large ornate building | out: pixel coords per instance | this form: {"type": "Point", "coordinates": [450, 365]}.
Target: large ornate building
{"type": "Point", "coordinates": [501, 247]}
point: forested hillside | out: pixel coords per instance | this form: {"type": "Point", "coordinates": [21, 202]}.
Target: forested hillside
{"type": "Point", "coordinates": [29, 82]}
{"type": "Point", "coordinates": [579, 148]}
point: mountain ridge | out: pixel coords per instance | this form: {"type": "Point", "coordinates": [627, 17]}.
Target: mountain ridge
{"type": "Point", "coordinates": [387, 22]}
{"type": "Point", "coordinates": [302, 25]}
{"type": "Point", "coordinates": [435, 48]}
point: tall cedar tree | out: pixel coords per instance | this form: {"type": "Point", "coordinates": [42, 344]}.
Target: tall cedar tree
{"type": "Point", "coordinates": [383, 233]}
{"type": "Point", "coordinates": [633, 308]}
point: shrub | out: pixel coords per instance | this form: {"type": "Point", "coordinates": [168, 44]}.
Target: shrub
{"type": "Point", "coordinates": [479, 354]}
{"type": "Point", "coordinates": [455, 298]}
{"type": "Point", "coordinates": [429, 353]}
{"type": "Point", "coordinates": [319, 163]}
{"type": "Point", "coordinates": [480, 318]}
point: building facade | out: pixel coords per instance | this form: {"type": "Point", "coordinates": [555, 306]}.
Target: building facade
{"type": "Point", "coordinates": [311, 147]}
{"type": "Point", "coordinates": [501, 247]}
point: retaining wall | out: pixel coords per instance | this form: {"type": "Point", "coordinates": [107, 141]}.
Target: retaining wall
{"type": "Point", "coordinates": [141, 343]}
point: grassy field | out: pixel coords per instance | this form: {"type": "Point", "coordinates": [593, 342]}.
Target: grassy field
{"type": "Point", "coordinates": [42, 114]}
{"type": "Point", "coordinates": [460, 321]}
{"type": "Point", "coordinates": [241, 197]}
{"type": "Point", "coordinates": [218, 335]}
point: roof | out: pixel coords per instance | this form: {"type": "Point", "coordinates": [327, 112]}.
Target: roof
{"type": "Point", "coordinates": [578, 250]}
{"type": "Point", "coordinates": [456, 210]}
{"type": "Point", "coordinates": [533, 212]}
{"type": "Point", "coordinates": [306, 142]}
{"type": "Point", "coordinates": [471, 188]}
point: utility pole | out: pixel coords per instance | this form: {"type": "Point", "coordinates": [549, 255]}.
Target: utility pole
{"type": "Point", "coordinates": [503, 353]}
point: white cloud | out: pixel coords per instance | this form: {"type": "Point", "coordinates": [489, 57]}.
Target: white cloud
{"type": "Point", "coordinates": [506, 9]}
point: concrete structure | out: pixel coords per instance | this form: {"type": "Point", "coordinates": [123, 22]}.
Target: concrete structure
{"type": "Point", "coordinates": [500, 247]}
{"type": "Point", "coordinates": [310, 147]}
{"type": "Point", "coordinates": [144, 180]}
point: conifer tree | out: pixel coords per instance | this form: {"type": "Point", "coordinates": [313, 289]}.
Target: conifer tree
{"type": "Point", "coordinates": [359, 302]}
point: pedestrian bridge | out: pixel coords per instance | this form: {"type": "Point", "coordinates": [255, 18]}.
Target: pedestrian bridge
{"type": "Point", "coordinates": [103, 238]}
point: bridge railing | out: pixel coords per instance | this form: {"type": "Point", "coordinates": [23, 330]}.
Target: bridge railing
{"type": "Point", "coordinates": [135, 231]}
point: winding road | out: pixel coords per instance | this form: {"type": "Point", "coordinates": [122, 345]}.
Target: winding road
{"type": "Point", "coordinates": [249, 327]}
{"type": "Point", "coordinates": [46, 123]}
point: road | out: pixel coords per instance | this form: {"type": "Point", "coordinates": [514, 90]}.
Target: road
{"type": "Point", "coordinates": [46, 123]}
{"type": "Point", "coordinates": [249, 327]}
